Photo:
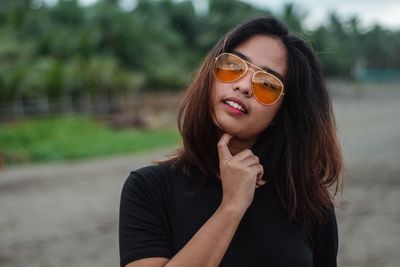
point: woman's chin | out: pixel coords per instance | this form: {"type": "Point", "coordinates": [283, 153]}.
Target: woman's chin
{"type": "Point", "coordinates": [238, 134]}
{"type": "Point", "coordinates": [233, 129]}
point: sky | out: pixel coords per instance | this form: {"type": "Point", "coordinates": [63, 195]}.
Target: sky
{"type": "Point", "coordinates": [369, 12]}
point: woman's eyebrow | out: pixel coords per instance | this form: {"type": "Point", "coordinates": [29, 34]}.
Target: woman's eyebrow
{"type": "Point", "coordinates": [275, 73]}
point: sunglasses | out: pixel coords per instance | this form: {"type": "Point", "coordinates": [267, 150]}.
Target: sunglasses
{"type": "Point", "coordinates": [266, 87]}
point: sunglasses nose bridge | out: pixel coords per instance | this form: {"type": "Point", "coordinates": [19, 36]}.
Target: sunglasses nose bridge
{"type": "Point", "coordinates": [253, 71]}
{"type": "Point", "coordinates": [244, 83]}
{"type": "Point", "coordinates": [250, 67]}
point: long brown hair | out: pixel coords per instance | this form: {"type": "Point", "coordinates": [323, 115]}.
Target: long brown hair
{"type": "Point", "coordinates": [300, 152]}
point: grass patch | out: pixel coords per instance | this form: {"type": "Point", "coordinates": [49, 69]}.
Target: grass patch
{"type": "Point", "coordinates": [67, 138]}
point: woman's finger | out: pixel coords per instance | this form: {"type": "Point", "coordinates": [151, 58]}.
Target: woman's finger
{"type": "Point", "coordinates": [223, 150]}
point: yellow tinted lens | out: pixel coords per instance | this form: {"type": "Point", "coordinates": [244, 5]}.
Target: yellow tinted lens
{"type": "Point", "coordinates": [266, 88]}
{"type": "Point", "coordinates": [229, 68]}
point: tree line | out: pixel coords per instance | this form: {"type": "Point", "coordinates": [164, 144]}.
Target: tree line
{"type": "Point", "coordinates": [67, 51]}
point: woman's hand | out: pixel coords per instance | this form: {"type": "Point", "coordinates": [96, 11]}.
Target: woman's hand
{"type": "Point", "coordinates": [240, 175]}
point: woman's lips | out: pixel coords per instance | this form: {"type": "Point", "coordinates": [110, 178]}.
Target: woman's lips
{"type": "Point", "coordinates": [235, 104]}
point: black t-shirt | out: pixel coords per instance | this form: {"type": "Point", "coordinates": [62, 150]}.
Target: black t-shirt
{"type": "Point", "coordinates": [161, 210]}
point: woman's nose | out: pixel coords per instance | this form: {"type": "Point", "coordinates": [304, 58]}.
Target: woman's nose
{"type": "Point", "coordinates": [243, 85]}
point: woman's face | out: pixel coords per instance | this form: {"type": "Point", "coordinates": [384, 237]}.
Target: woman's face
{"type": "Point", "coordinates": [263, 51]}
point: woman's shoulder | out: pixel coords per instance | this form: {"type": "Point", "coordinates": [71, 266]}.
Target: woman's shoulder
{"type": "Point", "coordinates": [326, 241]}
{"type": "Point", "coordinates": [152, 171]}
{"type": "Point", "coordinates": [154, 176]}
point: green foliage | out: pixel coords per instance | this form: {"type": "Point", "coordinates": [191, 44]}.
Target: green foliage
{"type": "Point", "coordinates": [67, 50]}
{"type": "Point", "coordinates": [344, 47]}
{"type": "Point", "coordinates": [75, 138]}
{"type": "Point", "coordinates": [294, 18]}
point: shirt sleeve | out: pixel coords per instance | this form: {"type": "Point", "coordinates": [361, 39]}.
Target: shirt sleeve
{"type": "Point", "coordinates": [142, 232]}
{"type": "Point", "coordinates": [326, 243]}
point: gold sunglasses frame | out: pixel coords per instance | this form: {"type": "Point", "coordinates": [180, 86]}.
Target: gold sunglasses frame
{"type": "Point", "coordinates": [252, 78]}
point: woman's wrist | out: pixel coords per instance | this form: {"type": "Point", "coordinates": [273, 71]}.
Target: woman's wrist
{"type": "Point", "coordinates": [232, 211]}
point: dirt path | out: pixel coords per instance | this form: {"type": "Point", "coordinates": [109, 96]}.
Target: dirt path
{"type": "Point", "coordinates": [66, 214]}
{"type": "Point", "coordinates": [63, 214]}
{"type": "Point", "coordinates": [369, 216]}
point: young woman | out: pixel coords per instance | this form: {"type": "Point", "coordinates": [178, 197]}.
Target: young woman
{"type": "Point", "coordinates": [250, 185]}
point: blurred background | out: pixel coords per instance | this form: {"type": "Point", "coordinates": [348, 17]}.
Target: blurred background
{"type": "Point", "coordinates": [89, 90]}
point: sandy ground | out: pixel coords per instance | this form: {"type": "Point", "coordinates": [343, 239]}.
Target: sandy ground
{"type": "Point", "coordinates": [66, 214]}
